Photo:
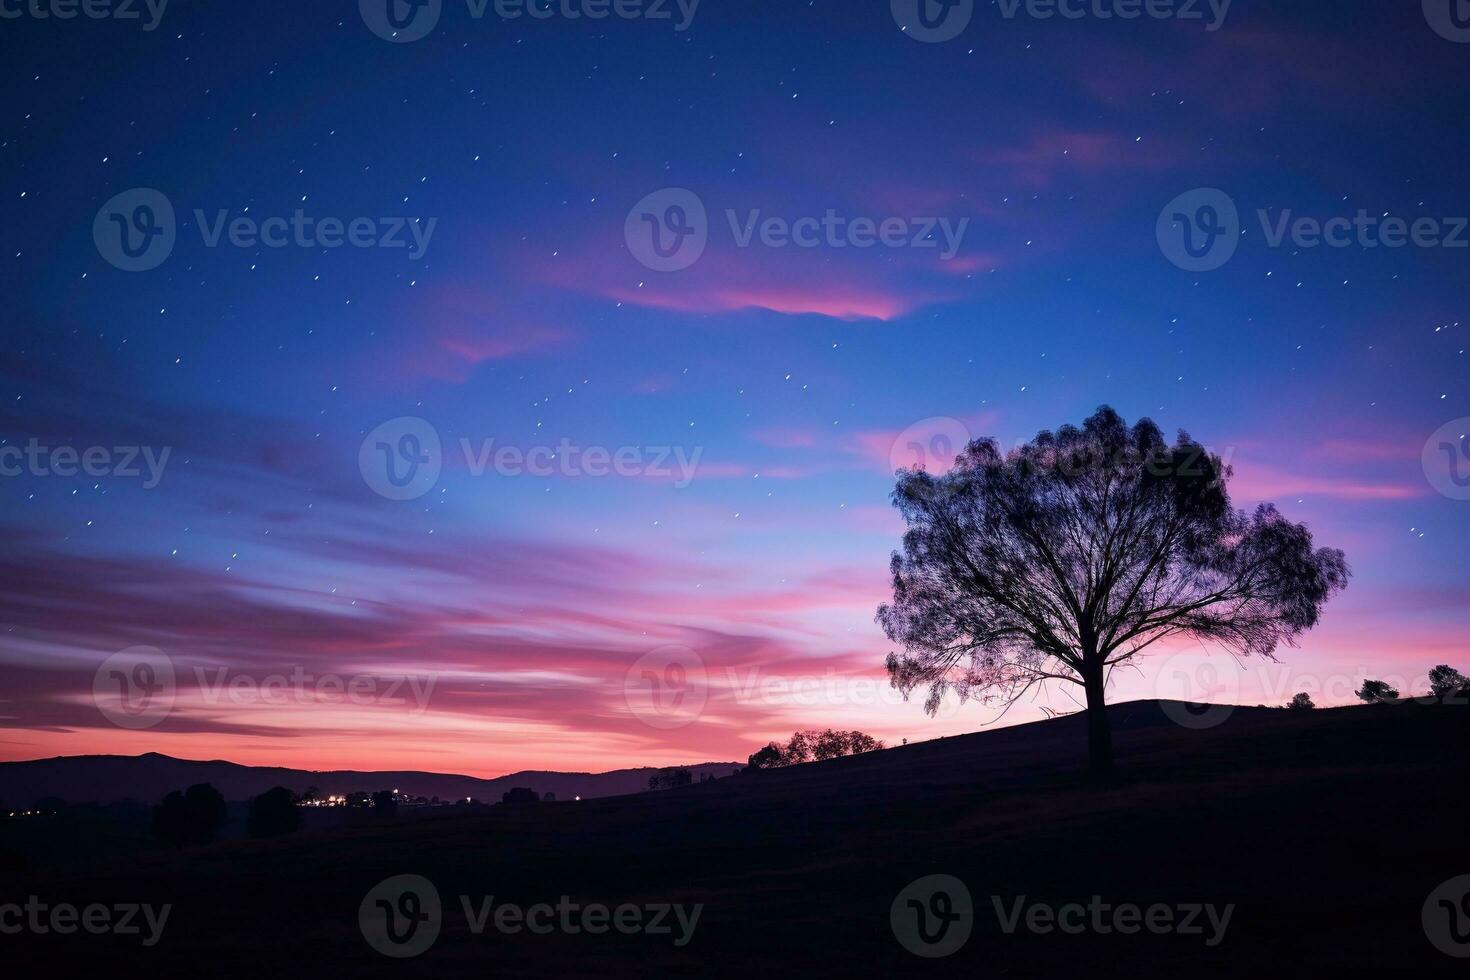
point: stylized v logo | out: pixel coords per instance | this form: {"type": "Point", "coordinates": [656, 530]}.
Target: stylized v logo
{"type": "Point", "coordinates": [932, 21]}
{"type": "Point", "coordinates": [410, 910]}
{"type": "Point", "coordinates": [675, 679]}
{"type": "Point", "coordinates": [1458, 934]}
{"type": "Point", "coordinates": [1207, 222]}
{"type": "Point", "coordinates": [941, 909]}
{"type": "Point", "coordinates": [411, 451]}
{"type": "Point", "coordinates": [676, 220]}
{"type": "Point", "coordinates": [1460, 14]}
{"type": "Point", "coordinates": [136, 689]}
{"type": "Point", "coordinates": [1453, 451]}
{"type": "Point", "coordinates": [399, 21]}
{"type": "Point", "coordinates": [144, 222]}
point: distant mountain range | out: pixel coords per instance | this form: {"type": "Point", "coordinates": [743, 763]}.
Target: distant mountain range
{"type": "Point", "coordinates": [148, 778]}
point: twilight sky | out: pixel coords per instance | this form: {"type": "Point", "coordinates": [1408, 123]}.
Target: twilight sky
{"type": "Point", "coordinates": [724, 434]}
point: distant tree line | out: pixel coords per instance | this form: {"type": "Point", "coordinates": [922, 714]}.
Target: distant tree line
{"type": "Point", "coordinates": [195, 815]}
{"type": "Point", "coordinates": [1444, 681]}
{"type": "Point", "coordinates": [670, 778]}
{"type": "Point", "coordinates": [812, 746]}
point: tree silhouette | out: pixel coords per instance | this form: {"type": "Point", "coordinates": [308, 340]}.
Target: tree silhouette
{"type": "Point", "coordinates": [812, 746]}
{"type": "Point", "coordinates": [273, 813]}
{"type": "Point", "coordinates": [670, 778]}
{"type": "Point", "coordinates": [519, 796]}
{"type": "Point", "coordinates": [190, 817]}
{"type": "Point", "coordinates": [1377, 692]}
{"type": "Point", "coordinates": [1301, 702]}
{"type": "Point", "coordinates": [1075, 553]}
{"type": "Point", "coordinates": [768, 757]}
{"type": "Point", "coordinates": [831, 745]}
{"type": "Point", "coordinates": [1445, 680]}
{"type": "Point", "coordinates": [801, 748]}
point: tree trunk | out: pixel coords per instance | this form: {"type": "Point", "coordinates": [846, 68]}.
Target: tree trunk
{"type": "Point", "coordinates": [1099, 735]}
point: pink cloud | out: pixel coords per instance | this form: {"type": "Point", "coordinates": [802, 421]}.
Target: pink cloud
{"type": "Point", "coordinates": [964, 265]}
{"type": "Point", "coordinates": [457, 327]}
{"type": "Point", "coordinates": [474, 350]}
{"type": "Point", "coordinates": [1368, 450]}
{"type": "Point", "coordinates": [839, 302]}
{"type": "Point", "coordinates": [842, 283]}
{"type": "Point", "coordinates": [787, 437]}
{"type": "Point", "coordinates": [750, 471]}
{"type": "Point", "coordinates": [529, 655]}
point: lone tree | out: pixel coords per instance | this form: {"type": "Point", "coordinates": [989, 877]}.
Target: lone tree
{"type": "Point", "coordinates": [1378, 692]}
{"type": "Point", "coordinates": [273, 813]}
{"type": "Point", "coordinates": [520, 796]}
{"type": "Point", "coordinates": [1075, 553]}
{"type": "Point", "coordinates": [1445, 680]}
{"type": "Point", "coordinates": [769, 757]}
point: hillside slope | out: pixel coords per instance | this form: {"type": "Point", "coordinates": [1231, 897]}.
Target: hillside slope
{"type": "Point", "coordinates": [1323, 831]}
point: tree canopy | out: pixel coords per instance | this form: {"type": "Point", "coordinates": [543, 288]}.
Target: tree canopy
{"type": "Point", "coordinates": [813, 746]}
{"type": "Point", "coordinates": [272, 813]}
{"type": "Point", "coordinates": [1075, 553]}
{"type": "Point", "coordinates": [1445, 680]}
{"type": "Point", "coordinates": [190, 817]}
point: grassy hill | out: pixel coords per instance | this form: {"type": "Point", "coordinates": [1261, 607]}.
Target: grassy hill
{"type": "Point", "coordinates": [1325, 830]}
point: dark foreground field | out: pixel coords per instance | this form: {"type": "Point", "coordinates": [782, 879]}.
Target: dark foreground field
{"type": "Point", "coordinates": [1325, 830]}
